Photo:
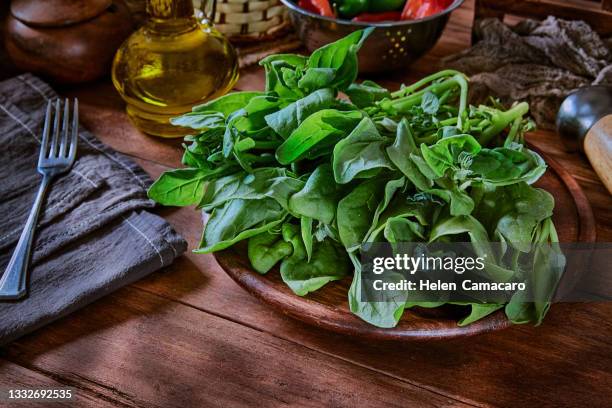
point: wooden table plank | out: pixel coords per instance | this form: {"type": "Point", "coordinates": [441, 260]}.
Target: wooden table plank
{"type": "Point", "coordinates": [144, 350]}
{"type": "Point", "coordinates": [14, 376]}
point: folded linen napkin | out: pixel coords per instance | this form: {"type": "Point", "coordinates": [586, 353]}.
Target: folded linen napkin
{"type": "Point", "coordinates": [93, 236]}
{"type": "Point", "coordinates": [538, 61]}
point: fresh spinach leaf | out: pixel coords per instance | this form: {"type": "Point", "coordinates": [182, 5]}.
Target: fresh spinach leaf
{"type": "Point", "coordinates": [266, 250]}
{"type": "Point", "coordinates": [306, 230]}
{"type": "Point", "coordinates": [226, 104]}
{"type": "Point", "coordinates": [286, 120]}
{"type": "Point", "coordinates": [430, 103]}
{"type": "Point", "coordinates": [366, 93]}
{"type": "Point", "coordinates": [316, 78]}
{"type": "Point", "coordinates": [328, 263]}
{"type": "Point", "coordinates": [321, 129]}
{"type": "Point", "coordinates": [319, 197]}
{"type": "Point", "coordinates": [361, 154]}
{"type": "Point", "coordinates": [445, 153]}
{"type": "Point", "coordinates": [200, 120]}
{"type": "Point", "coordinates": [355, 212]}
{"type": "Point", "coordinates": [385, 313]}
{"type": "Point", "coordinates": [180, 187]}
{"type": "Point", "coordinates": [341, 56]}
{"type": "Point", "coordinates": [267, 182]}
{"type": "Point", "coordinates": [237, 220]}
{"type": "Point", "coordinates": [399, 154]}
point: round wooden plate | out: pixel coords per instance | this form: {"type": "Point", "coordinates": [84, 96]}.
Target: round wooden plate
{"type": "Point", "coordinates": [328, 307]}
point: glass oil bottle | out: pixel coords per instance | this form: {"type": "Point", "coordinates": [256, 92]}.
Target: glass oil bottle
{"type": "Point", "coordinates": [170, 64]}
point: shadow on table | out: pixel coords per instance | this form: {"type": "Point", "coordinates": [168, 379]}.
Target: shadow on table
{"type": "Point", "coordinates": [106, 315]}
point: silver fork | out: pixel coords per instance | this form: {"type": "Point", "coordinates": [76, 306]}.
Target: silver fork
{"type": "Point", "coordinates": [57, 154]}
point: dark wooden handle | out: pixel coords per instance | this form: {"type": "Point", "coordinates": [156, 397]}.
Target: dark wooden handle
{"type": "Point", "coordinates": [598, 148]}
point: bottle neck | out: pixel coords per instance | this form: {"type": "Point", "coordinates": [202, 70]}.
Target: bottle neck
{"type": "Point", "coordinates": [169, 9]}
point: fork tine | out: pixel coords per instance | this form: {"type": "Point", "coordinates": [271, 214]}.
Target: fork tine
{"type": "Point", "coordinates": [44, 144]}
{"type": "Point", "coordinates": [75, 131]}
{"type": "Point", "coordinates": [56, 129]}
{"type": "Point", "coordinates": [65, 130]}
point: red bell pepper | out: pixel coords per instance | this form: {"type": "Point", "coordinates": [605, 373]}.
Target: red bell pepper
{"type": "Point", "coordinates": [416, 9]}
{"type": "Point", "coordinates": [378, 17]}
{"type": "Point", "coordinates": [321, 7]}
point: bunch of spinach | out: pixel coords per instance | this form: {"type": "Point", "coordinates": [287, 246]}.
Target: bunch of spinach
{"type": "Point", "coordinates": [307, 176]}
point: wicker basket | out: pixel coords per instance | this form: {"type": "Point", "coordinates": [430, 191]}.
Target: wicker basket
{"type": "Point", "coordinates": [250, 20]}
{"type": "Point", "coordinates": [240, 20]}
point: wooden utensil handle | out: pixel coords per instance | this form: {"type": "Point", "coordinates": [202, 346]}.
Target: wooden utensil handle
{"type": "Point", "coordinates": [598, 148]}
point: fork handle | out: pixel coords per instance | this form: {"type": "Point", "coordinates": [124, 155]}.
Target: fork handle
{"type": "Point", "coordinates": [13, 283]}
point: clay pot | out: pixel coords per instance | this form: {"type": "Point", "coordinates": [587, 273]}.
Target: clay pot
{"type": "Point", "coordinates": [68, 41]}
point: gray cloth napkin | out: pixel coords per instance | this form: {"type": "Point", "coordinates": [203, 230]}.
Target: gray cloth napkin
{"type": "Point", "coordinates": [93, 236]}
{"type": "Point", "coordinates": [538, 61]}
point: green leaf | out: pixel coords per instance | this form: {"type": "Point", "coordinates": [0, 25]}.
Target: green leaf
{"type": "Point", "coordinates": [292, 234]}
{"type": "Point", "coordinates": [180, 187]}
{"type": "Point", "coordinates": [367, 93]}
{"type": "Point", "coordinates": [200, 120]}
{"type": "Point", "coordinates": [286, 120]}
{"type": "Point", "coordinates": [391, 188]}
{"type": "Point", "coordinates": [306, 229]}
{"type": "Point", "coordinates": [266, 182]}
{"type": "Point", "coordinates": [238, 220]}
{"type": "Point", "coordinates": [514, 212]}
{"type": "Point", "coordinates": [423, 166]}
{"type": "Point", "coordinates": [356, 210]}
{"type": "Point", "coordinates": [547, 266]}
{"type": "Point", "coordinates": [342, 56]}
{"type": "Point", "coordinates": [460, 202]}
{"type": "Point", "coordinates": [266, 250]}
{"type": "Point", "coordinates": [319, 131]}
{"type": "Point", "coordinates": [361, 154]}
{"type": "Point", "coordinates": [399, 154]}
{"type": "Point", "coordinates": [278, 78]}
{"type": "Point", "coordinates": [385, 313]}
{"type": "Point", "coordinates": [399, 229]}
{"type": "Point", "coordinates": [328, 263]}
{"type": "Point", "coordinates": [430, 103]}
{"type": "Point", "coordinates": [445, 153]}
{"type": "Point", "coordinates": [502, 166]}
{"type": "Point", "coordinates": [459, 225]}
{"type": "Point", "coordinates": [316, 78]}
{"type": "Point", "coordinates": [400, 207]}
{"type": "Point", "coordinates": [467, 224]}
{"type": "Point", "coordinates": [226, 104]}
{"type": "Point", "coordinates": [256, 111]}
{"type": "Point", "coordinates": [478, 311]}
{"type": "Point", "coordinates": [319, 197]}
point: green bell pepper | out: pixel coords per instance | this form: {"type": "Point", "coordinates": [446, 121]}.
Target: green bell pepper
{"type": "Point", "coordinates": [350, 8]}
{"type": "Point", "coordinates": [379, 6]}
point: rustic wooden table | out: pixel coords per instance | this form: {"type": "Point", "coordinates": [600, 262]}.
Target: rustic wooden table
{"type": "Point", "coordinates": [189, 336]}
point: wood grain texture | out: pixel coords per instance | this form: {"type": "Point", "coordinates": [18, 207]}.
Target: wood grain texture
{"type": "Point", "coordinates": [17, 377]}
{"type": "Point", "coordinates": [193, 315]}
{"type": "Point", "coordinates": [179, 356]}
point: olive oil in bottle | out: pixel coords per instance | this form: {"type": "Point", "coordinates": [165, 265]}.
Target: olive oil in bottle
{"type": "Point", "coordinates": [170, 64]}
